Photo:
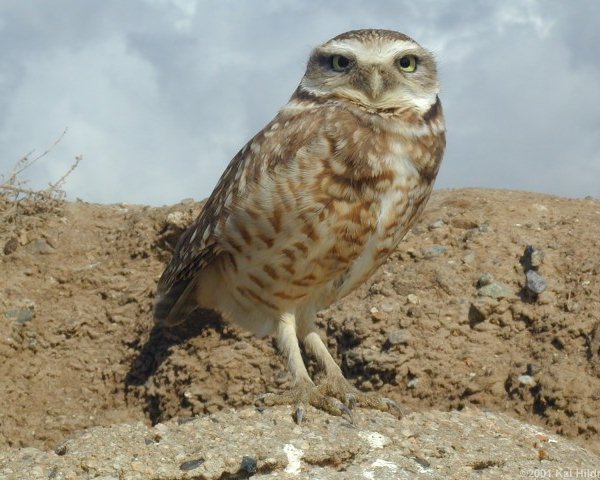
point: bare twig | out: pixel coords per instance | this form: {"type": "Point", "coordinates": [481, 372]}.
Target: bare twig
{"type": "Point", "coordinates": [59, 183]}
{"type": "Point", "coordinates": [16, 189]}
{"type": "Point", "coordinates": [25, 163]}
{"type": "Point", "coordinates": [20, 198]}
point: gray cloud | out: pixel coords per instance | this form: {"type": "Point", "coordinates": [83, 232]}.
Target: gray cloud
{"type": "Point", "coordinates": [159, 95]}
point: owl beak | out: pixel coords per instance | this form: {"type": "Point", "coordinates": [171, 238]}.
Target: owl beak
{"type": "Point", "coordinates": [375, 85]}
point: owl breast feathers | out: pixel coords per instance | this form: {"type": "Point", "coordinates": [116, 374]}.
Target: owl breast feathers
{"type": "Point", "coordinates": [319, 198]}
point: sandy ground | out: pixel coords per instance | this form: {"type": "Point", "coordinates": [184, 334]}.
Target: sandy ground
{"type": "Point", "coordinates": [447, 322]}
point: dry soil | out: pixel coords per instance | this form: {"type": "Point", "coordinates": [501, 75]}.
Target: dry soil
{"type": "Point", "coordinates": [446, 322]}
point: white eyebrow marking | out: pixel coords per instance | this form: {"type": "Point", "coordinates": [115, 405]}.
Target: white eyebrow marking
{"type": "Point", "coordinates": [376, 52]}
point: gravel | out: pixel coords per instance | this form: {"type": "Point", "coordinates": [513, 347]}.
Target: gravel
{"type": "Point", "coordinates": [245, 443]}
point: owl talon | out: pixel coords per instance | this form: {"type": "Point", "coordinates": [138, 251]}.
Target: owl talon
{"type": "Point", "coordinates": [394, 408]}
{"type": "Point", "coordinates": [259, 402]}
{"type": "Point", "coordinates": [347, 412]}
{"type": "Point", "coordinates": [382, 404]}
{"type": "Point", "coordinates": [299, 414]}
{"type": "Point", "coordinates": [351, 401]}
{"type": "Point", "coordinates": [302, 395]}
{"type": "Point", "coordinates": [338, 387]}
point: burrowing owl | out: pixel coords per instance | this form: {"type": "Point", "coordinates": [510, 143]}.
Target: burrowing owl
{"type": "Point", "coordinates": [314, 204]}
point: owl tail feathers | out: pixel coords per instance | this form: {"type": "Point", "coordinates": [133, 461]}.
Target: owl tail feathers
{"type": "Point", "coordinates": [174, 305]}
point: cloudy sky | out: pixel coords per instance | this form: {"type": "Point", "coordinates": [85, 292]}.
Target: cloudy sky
{"type": "Point", "coordinates": [158, 95]}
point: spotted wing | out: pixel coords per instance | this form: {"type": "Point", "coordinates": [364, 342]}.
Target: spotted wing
{"type": "Point", "coordinates": [258, 167]}
{"type": "Point", "coordinates": [196, 248]}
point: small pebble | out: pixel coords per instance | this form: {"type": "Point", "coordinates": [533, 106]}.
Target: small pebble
{"type": "Point", "coordinates": [437, 224]}
{"type": "Point", "coordinates": [469, 258]}
{"type": "Point", "coordinates": [434, 251]}
{"type": "Point", "coordinates": [412, 383]}
{"type": "Point", "coordinates": [495, 290]}
{"type": "Point", "coordinates": [485, 228]}
{"type": "Point", "coordinates": [183, 421]}
{"type": "Point", "coordinates": [61, 449]}
{"type": "Point", "coordinates": [480, 310]}
{"type": "Point", "coordinates": [527, 380]}
{"type": "Point", "coordinates": [249, 465]}
{"type": "Point", "coordinates": [387, 307]}
{"type": "Point", "coordinates": [399, 337]}
{"type": "Point", "coordinates": [191, 464]}
{"type": "Point", "coordinates": [40, 246]}
{"type": "Point", "coordinates": [413, 299]}
{"type": "Point", "coordinates": [177, 219]}
{"type": "Point", "coordinates": [485, 279]}
{"type": "Point", "coordinates": [20, 316]}
{"type": "Point", "coordinates": [535, 282]}
{"type": "Point", "coordinates": [11, 245]}
{"type": "Point", "coordinates": [532, 258]}
{"type": "Point", "coordinates": [423, 463]}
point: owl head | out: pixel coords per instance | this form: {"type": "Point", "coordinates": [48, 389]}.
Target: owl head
{"type": "Point", "coordinates": [375, 69]}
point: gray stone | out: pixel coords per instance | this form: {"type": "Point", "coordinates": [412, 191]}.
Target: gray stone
{"type": "Point", "coordinates": [191, 464]}
{"type": "Point", "coordinates": [21, 316]}
{"type": "Point", "coordinates": [413, 299]}
{"type": "Point", "coordinates": [177, 219]}
{"type": "Point", "coordinates": [40, 246]}
{"type": "Point", "coordinates": [495, 290]}
{"type": "Point", "coordinates": [247, 444]}
{"type": "Point", "coordinates": [387, 307]}
{"type": "Point", "coordinates": [485, 279]}
{"type": "Point", "coordinates": [437, 224]}
{"type": "Point", "coordinates": [469, 258]}
{"type": "Point", "coordinates": [412, 383]}
{"type": "Point", "coordinates": [535, 282]}
{"type": "Point", "coordinates": [11, 245]}
{"type": "Point", "coordinates": [527, 380]}
{"type": "Point", "coordinates": [249, 465]}
{"type": "Point", "coordinates": [480, 310]}
{"type": "Point", "coordinates": [399, 337]}
{"type": "Point", "coordinates": [532, 258]}
{"type": "Point", "coordinates": [434, 251]}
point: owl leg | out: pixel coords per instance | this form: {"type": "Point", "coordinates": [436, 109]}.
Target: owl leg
{"type": "Point", "coordinates": [336, 385]}
{"type": "Point", "coordinates": [303, 391]}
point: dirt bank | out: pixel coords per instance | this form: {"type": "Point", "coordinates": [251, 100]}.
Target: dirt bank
{"type": "Point", "coordinates": [430, 330]}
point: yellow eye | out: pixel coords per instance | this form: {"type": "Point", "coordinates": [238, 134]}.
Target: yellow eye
{"type": "Point", "coordinates": [408, 63]}
{"type": "Point", "coordinates": [339, 63]}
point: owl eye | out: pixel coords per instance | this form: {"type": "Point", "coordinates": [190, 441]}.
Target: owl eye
{"type": "Point", "coordinates": [408, 63]}
{"type": "Point", "coordinates": [339, 63]}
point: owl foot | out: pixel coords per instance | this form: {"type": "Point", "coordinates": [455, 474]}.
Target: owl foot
{"type": "Point", "coordinates": [338, 387]}
{"type": "Point", "coordinates": [303, 394]}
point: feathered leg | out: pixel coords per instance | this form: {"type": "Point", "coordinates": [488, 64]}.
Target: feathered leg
{"type": "Point", "coordinates": [335, 385]}
{"type": "Point", "coordinates": [303, 392]}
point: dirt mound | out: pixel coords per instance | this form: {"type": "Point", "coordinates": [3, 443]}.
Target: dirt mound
{"type": "Point", "coordinates": [455, 317]}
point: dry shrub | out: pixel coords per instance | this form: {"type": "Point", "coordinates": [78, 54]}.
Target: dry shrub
{"type": "Point", "coordinates": [17, 199]}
